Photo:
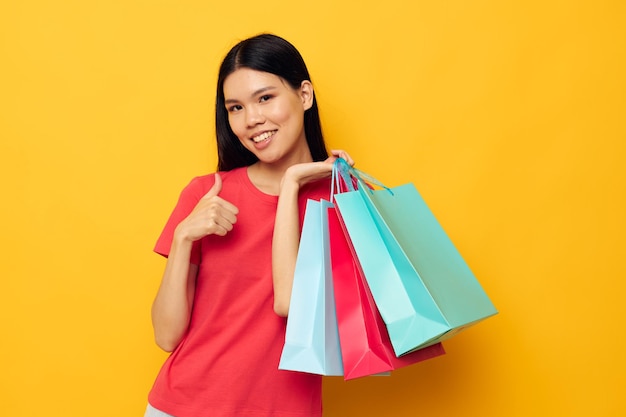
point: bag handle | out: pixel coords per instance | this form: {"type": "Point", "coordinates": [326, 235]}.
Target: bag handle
{"type": "Point", "coordinates": [341, 180]}
{"type": "Point", "coordinates": [343, 176]}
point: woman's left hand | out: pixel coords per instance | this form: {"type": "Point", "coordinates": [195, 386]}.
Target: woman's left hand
{"type": "Point", "coordinates": [312, 171]}
{"type": "Point", "coordinates": [287, 225]}
{"type": "Point", "coordinates": [340, 154]}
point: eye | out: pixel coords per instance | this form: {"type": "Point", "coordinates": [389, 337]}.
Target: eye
{"type": "Point", "coordinates": [265, 97]}
{"type": "Point", "coordinates": [234, 108]}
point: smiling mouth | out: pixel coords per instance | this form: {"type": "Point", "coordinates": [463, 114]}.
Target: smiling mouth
{"type": "Point", "coordinates": [263, 136]}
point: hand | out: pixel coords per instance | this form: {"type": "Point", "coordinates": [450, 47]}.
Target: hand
{"type": "Point", "coordinates": [340, 154]}
{"type": "Point", "coordinates": [211, 216]}
{"type": "Point", "coordinates": [301, 174]}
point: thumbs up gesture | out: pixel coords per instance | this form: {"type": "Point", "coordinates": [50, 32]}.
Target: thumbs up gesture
{"type": "Point", "coordinates": [211, 216]}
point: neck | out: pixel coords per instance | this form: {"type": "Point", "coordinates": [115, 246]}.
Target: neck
{"type": "Point", "coordinates": [268, 176]}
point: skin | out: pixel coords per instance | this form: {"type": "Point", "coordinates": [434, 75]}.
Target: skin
{"type": "Point", "coordinates": [257, 103]}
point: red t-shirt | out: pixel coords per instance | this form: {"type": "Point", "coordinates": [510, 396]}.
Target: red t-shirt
{"type": "Point", "coordinates": [227, 364]}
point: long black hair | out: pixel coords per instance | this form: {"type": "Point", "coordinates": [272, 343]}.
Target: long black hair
{"type": "Point", "coordinates": [272, 54]}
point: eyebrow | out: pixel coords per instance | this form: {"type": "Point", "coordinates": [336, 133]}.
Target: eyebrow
{"type": "Point", "coordinates": [256, 93]}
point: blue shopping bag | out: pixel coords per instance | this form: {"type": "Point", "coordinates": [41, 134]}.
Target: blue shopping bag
{"type": "Point", "coordinates": [312, 337]}
{"type": "Point", "coordinates": [422, 286]}
{"type": "Point", "coordinates": [365, 345]}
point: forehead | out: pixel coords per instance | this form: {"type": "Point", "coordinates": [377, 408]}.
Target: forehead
{"type": "Point", "coordinates": [245, 82]}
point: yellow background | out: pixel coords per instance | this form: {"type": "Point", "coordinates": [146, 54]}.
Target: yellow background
{"type": "Point", "coordinates": [507, 115]}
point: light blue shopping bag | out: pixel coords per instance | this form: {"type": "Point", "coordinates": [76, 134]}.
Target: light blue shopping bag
{"type": "Point", "coordinates": [312, 337]}
{"type": "Point", "coordinates": [422, 286]}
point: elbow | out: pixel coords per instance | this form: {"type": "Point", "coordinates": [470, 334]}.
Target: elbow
{"type": "Point", "coordinates": [169, 348]}
{"type": "Point", "coordinates": [282, 300]}
{"type": "Point", "coordinates": [281, 309]}
{"type": "Point", "coordinates": [166, 344]}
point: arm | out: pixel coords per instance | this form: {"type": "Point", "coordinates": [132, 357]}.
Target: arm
{"type": "Point", "coordinates": [171, 310]}
{"type": "Point", "coordinates": [286, 236]}
{"type": "Point", "coordinates": [285, 244]}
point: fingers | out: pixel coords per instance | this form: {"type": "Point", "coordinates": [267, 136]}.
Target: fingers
{"type": "Point", "coordinates": [212, 214]}
{"type": "Point", "coordinates": [221, 225]}
{"type": "Point", "coordinates": [343, 154]}
{"type": "Point", "coordinates": [217, 187]}
{"type": "Point", "coordinates": [223, 214]}
{"type": "Point", "coordinates": [212, 197]}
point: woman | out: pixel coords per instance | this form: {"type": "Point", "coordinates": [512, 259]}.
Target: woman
{"type": "Point", "coordinates": [232, 241]}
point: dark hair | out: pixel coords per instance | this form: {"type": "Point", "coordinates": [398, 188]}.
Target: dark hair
{"type": "Point", "coordinates": [272, 54]}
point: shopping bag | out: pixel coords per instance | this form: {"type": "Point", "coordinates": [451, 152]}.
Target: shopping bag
{"type": "Point", "coordinates": [312, 338]}
{"type": "Point", "coordinates": [365, 345]}
{"type": "Point", "coordinates": [422, 286]}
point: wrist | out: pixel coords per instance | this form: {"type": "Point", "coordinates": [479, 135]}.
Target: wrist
{"type": "Point", "coordinates": [181, 237]}
{"type": "Point", "coordinates": [289, 183]}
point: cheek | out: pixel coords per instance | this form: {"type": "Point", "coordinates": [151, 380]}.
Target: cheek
{"type": "Point", "coordinates": [288, 111]}
{"type": "Point", "coordinates": [235, 125]}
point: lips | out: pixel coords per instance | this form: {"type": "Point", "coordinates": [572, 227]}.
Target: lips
{"type": "Point", "coordinates": [263, 136]}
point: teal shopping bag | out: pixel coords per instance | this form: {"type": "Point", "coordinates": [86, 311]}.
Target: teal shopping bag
{"type": "Point", "coordinates": [422, 286]}
{"type": "Point", "coordinates": [312, 337]}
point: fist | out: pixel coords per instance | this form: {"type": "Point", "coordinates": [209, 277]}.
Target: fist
{"type": "Point", "coordinates": [211, 216]}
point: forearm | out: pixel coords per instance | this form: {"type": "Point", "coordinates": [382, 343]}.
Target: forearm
{"type": "Point", "coordinates": [285, 245]}
{"type": "Point", "coordinates": [172, 305]}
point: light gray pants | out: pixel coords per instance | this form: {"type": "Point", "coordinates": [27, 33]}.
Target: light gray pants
{"type": "Point", "coordinates": [153, 412]}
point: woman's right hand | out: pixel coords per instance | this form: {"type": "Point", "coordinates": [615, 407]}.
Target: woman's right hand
{"type": "Point", "coordinates": [171, 310]}
{"type": "Point", "coordinates": [211, 216]}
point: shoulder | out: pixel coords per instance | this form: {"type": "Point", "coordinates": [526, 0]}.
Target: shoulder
{"type": "Point", "coordinates": [195, 189]}
{"type": "Point", "coordinates": [201, 185]}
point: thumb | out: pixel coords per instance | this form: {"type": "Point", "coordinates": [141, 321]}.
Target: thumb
{"type": "Point", "coordinates": [217, 187]}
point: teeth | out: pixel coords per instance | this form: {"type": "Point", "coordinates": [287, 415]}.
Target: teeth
{"type": "Point", "coordinates": [262, 137]}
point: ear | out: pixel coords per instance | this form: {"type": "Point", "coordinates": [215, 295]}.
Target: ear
{"type": "Point", "coordinates": [306, 94]}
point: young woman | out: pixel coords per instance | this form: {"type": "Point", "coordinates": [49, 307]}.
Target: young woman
{"type": "Point", "coordinates": [231, 245]}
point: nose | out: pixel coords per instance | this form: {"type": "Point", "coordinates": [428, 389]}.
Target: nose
{"type": "Point", "coordinates": [254, 116]}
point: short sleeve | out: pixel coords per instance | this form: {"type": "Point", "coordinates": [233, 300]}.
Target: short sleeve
{"type": "Point", "coordinates": [187, 200]}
